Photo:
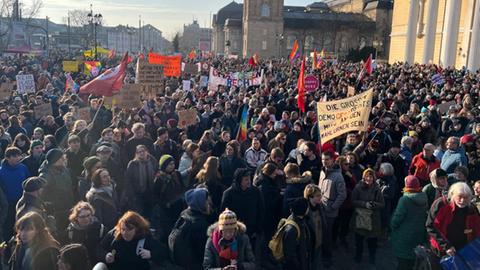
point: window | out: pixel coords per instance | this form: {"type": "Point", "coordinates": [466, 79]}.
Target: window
{"type": "Point", "coordinates": [328, 43]}
{"type": "Point", "coordinates": [290, 41]}
{"type": "Point", "coordinates": [265, 32]}
{"type": "Point", "coordinates": [343, 44]}
{"type": "Point", "coordinates": [264, 10]}
{"type": "Point", "coordinates": [264, 45]}
{"type": "Point", "coordinates": [309, 42]}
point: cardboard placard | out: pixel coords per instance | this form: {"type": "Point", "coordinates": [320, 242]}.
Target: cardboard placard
{"type": "Point", "coordinates": [190, 68]}
{"type": "Point", "coordinates": [130, 96]}
{"type": "Point", "coordinates": [443, 107]}
{"type": "Point", "coordinates": [25, 84]}
{"type": "Point", "coordinates": [70, 66]}
{"type": "Point", "coordinates": [42, 110]}
{"type": "Point", "coordinates": [186, 85]}
{"type": "Point", "coordinates": [147, 73]}
{"type": "Point", "coordinates": [6, 90]}
{"type": "Point", "coordinates": [187, 118]}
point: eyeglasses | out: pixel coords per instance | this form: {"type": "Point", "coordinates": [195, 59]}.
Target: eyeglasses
{"type": "Point", "coordinates": [84, 216]}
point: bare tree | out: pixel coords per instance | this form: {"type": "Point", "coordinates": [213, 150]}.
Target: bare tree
{"type": "Point", "coordinates": [79, 17]}
{"type": "Point", "coordinates": [30, 11]}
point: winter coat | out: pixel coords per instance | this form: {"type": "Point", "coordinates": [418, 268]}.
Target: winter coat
{"type": "Point", "coordinates": [90, 237]}
{"type": "Point", "coordinates": [315, 220]}
{"type": "Point", "coordinates": [422, 167]}
{"type": "Point", "coordinates": [30, 203]}
{"type": "Point", "coordinates": [294, 189]}
{"type": "Point", "coordinates": [406, 154]}
{"type": "Point", "coordinates": [360, 196]}
{"type": "Point", "coordinates": [11, 179]}
{"type": "Point", "coordinates": [334, 193]}
{"type": "Point", "coordinates": [440, 223]}
{"type": "Point", "coordinates": [245, 258]}
{"type": "Point", "coordinates": [33, 164]}
{"type": "Point", "coordinates": [273, 203]}
{"type": "Point", "coordinates": [255, 158]}
{"type": "Point", "coordinates": [44, 259]}
{"type": "Point", "coordinates": [408, 224]}
{"type": "Point", "coordinates": [297, 249]}
{"type": "Point", "coordinates": [248, 205]}
{"type": "Point", "coordinates": [185, 163]}
{"type": "Point", "coordinates": [3, 211]}
{"type": "Point", "coordinates": [140, 186]}
{"type": "Point", "coordinates": [433, 192]}
{"type": "Point", "coordinates": [228, 166]}
{"type": "Point", "coordinates": [126, 255]}
{"type": "Point", "coordinates": [105, 205]}
{"type": "Point", "coordinates": [452, 159]}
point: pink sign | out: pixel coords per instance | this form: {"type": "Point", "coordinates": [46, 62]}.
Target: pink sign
{"type": "Point", "coordinates": [311, 83]}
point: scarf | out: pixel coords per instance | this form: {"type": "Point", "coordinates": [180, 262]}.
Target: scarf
{"type": "Point", "coordinates": [107, 189]}
{"type": "Point", "coordinates": [227, 249]}
{"type": "Point", "coordinates": [145, 174]}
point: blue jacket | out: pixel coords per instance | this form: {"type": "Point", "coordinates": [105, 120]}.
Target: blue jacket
{"type": "Point", "coordinates": [452, 159]}
{"type": "Point", "coordinates": [11, 179]}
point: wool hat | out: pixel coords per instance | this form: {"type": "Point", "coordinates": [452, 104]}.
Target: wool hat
{"type": "Point", "coordinates": [35, 143]}
{"type": "Point", "coordinates": [412, 183]}
{"type": "Point", "coordinates": [196, 199]}
{"type": "Point", "coordinates": [53, 155]}
{"type": "Point", "coordinates": [164, 161]}
{"type": "Point", "coordinates": [89, 162]}
{"type": "Point", "coordinates": [227, 220]}
{"type": "Point", "coordinates": [104, 148]}
{"type": "Point", "coordinates": [298, 206]}
{"type": "Point", "coordinates": [367, 171]}
{"type": "Point", "coordinates": [33, 184]}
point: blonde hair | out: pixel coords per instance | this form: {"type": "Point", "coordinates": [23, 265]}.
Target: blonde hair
{"type": "Point", "coordinates": [310, 191]}
{"type": "Point", "coordinates": [75, 211]}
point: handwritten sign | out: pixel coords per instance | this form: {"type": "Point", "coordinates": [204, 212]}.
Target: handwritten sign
{"type": "Point", "coordinates": [130, 96]}
{"type": "Point", "coordinates": [25, 84]}
{"type": "Point", "coordinates": [172, 65]}
{"type": "Point", "coordinates": [149, 73]}
{"type": "Point", "coordinates": [341, 116]}
{"type": "Point", "coordinates": [187, 118]}
{"type": "Point", "coordinates": [70, 66]}
{"type": "Point", "coordinates": [42, 110]}
{"type": "Point", "coordinates": [186, 85]}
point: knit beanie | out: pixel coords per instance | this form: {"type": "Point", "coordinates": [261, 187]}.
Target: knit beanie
{"type": "Point", "coordinates": [412, 184]}
{"type": "Point", "coordinates": [53, 155]}
{"type": "Point", "coordinates": [298, 206]}
{"type": "Point", "coordinates": [196, 199]}
{"type": "Point", "coordinates": [164, 161]}
{"type": "Point", "coordinates": [227, 220]}
{"type": "Point", "coordinates": [89, 162]}
{"type": "Point", "coordinates": [35, 143]}
{"type": "Point", "coordinates": [367, 171]}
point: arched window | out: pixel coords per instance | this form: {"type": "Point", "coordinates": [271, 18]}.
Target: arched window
{"type": "Point", "coordinates": [309, 42]}
{"type": "Point", "coordinates": [264, 10]}
{"type": "Point", "coordinates": [344, 44]}
{"type": "Point", "coordinates": [328, 43]}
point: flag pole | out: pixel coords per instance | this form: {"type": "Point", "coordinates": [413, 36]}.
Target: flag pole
{"type": "Point", "coordinates": [98, 110]}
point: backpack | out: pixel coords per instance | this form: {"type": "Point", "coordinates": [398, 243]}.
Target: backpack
{"type": "Point", "coordinates": [276, 244]}
{"type": "Point", "coordinates": [179, 241]}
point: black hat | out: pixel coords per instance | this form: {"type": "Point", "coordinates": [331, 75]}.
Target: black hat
{"type": "Point", "coordinates": [33, 184]}
{"type": "Point", "coordinates": [53, 155]}
{"type": "Point", "coordinates": [440, 173]}
{"type": "Point", "coordinates": [298, 206]}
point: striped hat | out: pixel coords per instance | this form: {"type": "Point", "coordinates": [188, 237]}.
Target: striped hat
{"type": "Point", "coordinates": [227, 220]}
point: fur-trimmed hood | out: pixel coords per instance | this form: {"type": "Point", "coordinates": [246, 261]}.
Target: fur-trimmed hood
{"type": "Point", "coordinates": [304, 179]}
{"type": "Point", "coordinates": [242, 229]}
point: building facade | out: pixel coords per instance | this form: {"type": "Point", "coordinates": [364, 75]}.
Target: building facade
{"type": "Point", "coordinates": [195, 37]}
{"type": "Point", "coordinates": [269, 28]}
{"type": "Point", "coordinates": [445, 32]}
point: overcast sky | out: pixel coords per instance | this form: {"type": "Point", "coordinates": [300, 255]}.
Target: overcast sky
{"type": "Point", "coordinates": [167, 15]}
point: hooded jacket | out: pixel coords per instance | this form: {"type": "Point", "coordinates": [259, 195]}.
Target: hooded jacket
{"type": "Point", "coordinates": [11, 179]}
{"type": "Point", "coordinates": [90, 237]}
{"type": "Point", "coordinates": [408, 224]}
{"type": "Point", "coordinates": [452, 159]}
{"type": "Point", "coordinates": [294, 189]}
{"type": "Point", "coordinates": [105, 205]}
{"type": "Point", "coordinates": [421, 167]}
{"type": "Point", "coordinates": [245, 258]}
{"type": "Point", "coordinates": [332, 187]}
{"type": "Point", "coordinates": [273, 203]}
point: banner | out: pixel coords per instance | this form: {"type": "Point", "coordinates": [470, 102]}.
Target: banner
{"type": "Point", "coordinates": [341, 116]}
{"type": "Point", "coordinates": [187, 118]}
{"type": "Point", "coordinates": [25, 84]}
{"type": "Point", "coordinates": [233, 79]}
{"type": "Point", "coordinates": [70, 66]}
{"type": "Point", "coordinates": [42, 110]}
{"type": "Point", "coordinates": [172, 65]}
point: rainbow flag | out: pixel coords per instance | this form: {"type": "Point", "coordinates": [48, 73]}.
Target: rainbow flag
{"type": "Point", "coordinates": [92, 68]}
{"type": "Point", "coordinates": [295, 53]}
{"type": "Point", "coordinates": [70, 84]}
{"type": "Point", "coordinates": [242, 129]}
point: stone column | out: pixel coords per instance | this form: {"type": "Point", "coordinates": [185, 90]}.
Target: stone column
{"type": "Point", "coordinates": [411, 31]}
{"type": "Point", "coordinates": [467, 32]}
{"type": "Point", "coordinates": [431, 31]}
{"type": "Point", "coordinates": [474, 52]}
{"type": "Point", "coordinates": [450, 33]}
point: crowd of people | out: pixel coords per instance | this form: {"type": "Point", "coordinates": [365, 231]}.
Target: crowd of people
{"type": "Point", "coordinates": [133, 190]}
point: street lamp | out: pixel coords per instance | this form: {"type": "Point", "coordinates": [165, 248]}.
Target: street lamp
{"type": "Point", "coordinates": [95, 20]}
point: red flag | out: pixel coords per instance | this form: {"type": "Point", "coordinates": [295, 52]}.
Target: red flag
{"type": "Point", "coordinates": [368, 65]}
{"type": "Point", "coordinates": [108, 82]}
{"type": "Point", "coordinates": [314, 61]}
{"type": "Point", "coordinates": [192, 54]}
{"type": "Point", "coordinates": [301, 87]}
{"type": "Point", "coordinates": [252, 62]}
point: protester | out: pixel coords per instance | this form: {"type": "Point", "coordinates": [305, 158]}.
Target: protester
{"type": "Point", "coordinates": [103, 197]}
{"type": "Point", "coordinates": [315, 221]}
{"type": "Point", "coordinates": [438, 186]}
{"type": "Point", "coordinates": [73, 257]}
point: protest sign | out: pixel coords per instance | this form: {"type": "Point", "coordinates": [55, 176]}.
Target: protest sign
{"type": "Point", "coordinates": [190, 68]}
{"type": "Point", "coordinates": [187, 118]}
{"type": "Point", "coordinates": [6, 90]}
{"type": "Point", "coordinates": [25, 84]}
{"type": "Point", "coordinates": [186, 85]}
{"type": "Point", "coordinates": [229, 79]}
{"type": "Point", "coordinates": [203, 81]}
{"type": "Point", "coordinates": [42, 110]}
{"type": "Point", "coordinates": [130, 96]}
{"type": "Point", "coordinates": [351, 91]}
{"type": "Point", "coordinates": [147, 73]}
{"type": "Point", "coordinates": [341, 116]}
{"type": "Point", "coordinates": [443, 107]}
{"type": "Point", "coordinates": [70, 66]}
{"type": "Point", "coordinates": [311, 83]}
{"type": "Point", "coordinates": [172, 65]}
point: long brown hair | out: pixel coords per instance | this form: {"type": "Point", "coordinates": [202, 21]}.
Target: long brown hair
{"type": "Point", "coordinates": [209, 170]}
{"type": "Point", "coordinates": [132, 220]}
{"type": "Point", "coordinates": [42, 240]}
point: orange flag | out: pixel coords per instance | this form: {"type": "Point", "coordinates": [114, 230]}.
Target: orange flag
{"type": "Point", "coordinates": [314, 61]}
{"type": "Point", "coordinates": [301, 87]}
{"type": "Point", "coordinates": [172, 65]}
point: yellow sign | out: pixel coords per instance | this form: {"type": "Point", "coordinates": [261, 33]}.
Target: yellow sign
{"type": "Point", "coordinates": [70, 66]}
{"type": "Point", "coordinates": [341, 116]}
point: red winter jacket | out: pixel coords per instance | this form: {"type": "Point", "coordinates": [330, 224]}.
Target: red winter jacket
{"type": "Point", "coordinates": [440, 216]}
{"type": "Point", "coordinates": [421, 168]}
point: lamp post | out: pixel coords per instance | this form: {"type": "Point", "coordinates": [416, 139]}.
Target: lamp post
{"type": "Point", "coordinates": [95, 20]}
